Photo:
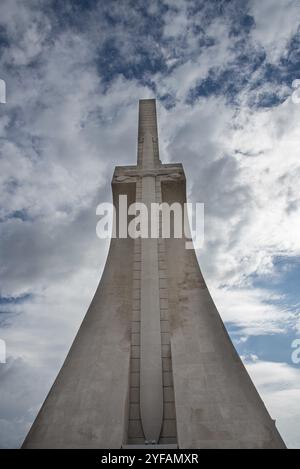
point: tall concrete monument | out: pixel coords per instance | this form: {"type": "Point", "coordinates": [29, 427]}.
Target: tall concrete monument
{"type": "Point", "coordinates": [152, 364]}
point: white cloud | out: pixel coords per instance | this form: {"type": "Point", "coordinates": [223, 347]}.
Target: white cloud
{"type": "Point", "coordinates": [247, 168]}
{"type": "Point", "coordinates": [61, 136]}
{"type": "Point", "coordinates": [176, 20]}
{"type": "Point", "coordinates": [254, 311]}
{"type": "Point", "coordinates": [276, 23]}
{"type": "Point", "coordinates": [279, 386]}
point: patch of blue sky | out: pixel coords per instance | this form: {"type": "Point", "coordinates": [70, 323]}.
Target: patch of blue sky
{"type": "Point", "coordinates": [239, 76]}
{"type": "Point", "coordinates": [233, 79]}
{"type": "Point", "coordinates": [274, 347]}
{"type": "Point", "coordinates": [232, 10]}
{"type": "Point", "coordinates": [70, 12]}
{"type": "Point", "coordinates": [21, 214]}
{"type": "Point", "coordinates": [8, 300]}
{"type": "Point", "coordinates": [219, 82]}
{"type": "Point", "coordinates": [4, 40]}
{"type": "Point", "coordinates": [285, 281]}
{"type": "Point", "coordinates": [290, 64]}
{"type": "Point", "coordinates": [286, 285]}
{"type": "Point", "coordinates": [9, 307]}
{"type": "Point", "coordinates": [244, 25]}
{"type": "Point", "coordinates": [168, 100]}
{"type": "Point", "coordinates": [250, 70]}
{"type": "Point", "coordinates": [111, 62]}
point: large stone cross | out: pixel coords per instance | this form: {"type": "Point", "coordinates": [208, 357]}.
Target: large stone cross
{"type": "Point", "coordinates": [149, 173]}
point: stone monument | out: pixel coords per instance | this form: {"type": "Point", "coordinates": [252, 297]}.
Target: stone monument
{"type": "Point", "coordinates": [152, 364]}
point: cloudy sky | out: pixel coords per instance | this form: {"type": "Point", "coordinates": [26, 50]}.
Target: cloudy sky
{"type": "Point", "coordinates": [222, 73]}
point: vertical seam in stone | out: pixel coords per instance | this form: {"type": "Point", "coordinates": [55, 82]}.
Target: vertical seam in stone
{"type": "Point", "coordinates": [135, 431]}
{"type": "Point", "coordinates": [169, 430]}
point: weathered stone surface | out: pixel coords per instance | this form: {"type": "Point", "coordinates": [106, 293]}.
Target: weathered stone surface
{"type": "Point", "coordinates": [152, 344]}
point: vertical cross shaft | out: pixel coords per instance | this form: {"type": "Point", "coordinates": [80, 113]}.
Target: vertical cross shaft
{"type": "Point", "coordinates": [151, 386]}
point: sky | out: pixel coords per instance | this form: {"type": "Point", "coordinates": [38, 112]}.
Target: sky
{"type": "Point", "coordinates": [222, 73]}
